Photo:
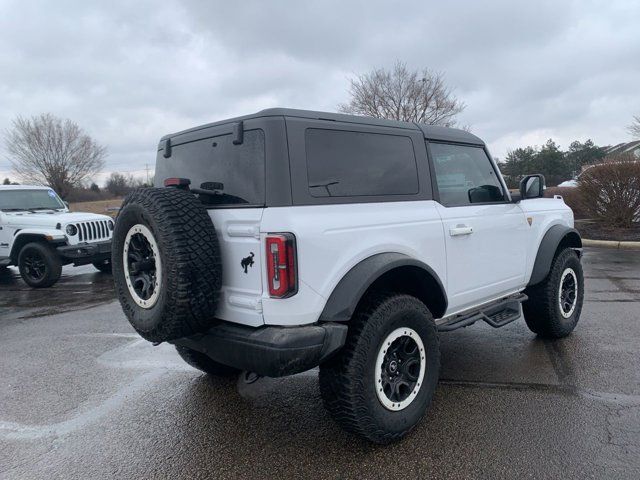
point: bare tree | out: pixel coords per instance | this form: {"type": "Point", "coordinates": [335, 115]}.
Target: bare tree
{"type": "Point", "coordinates": [634, 128]}
{"type": "Point", "coordinates": [402, 94]}
{"type": "Point", "coordinates": [51, 151]}
{"type": "Point", "coordinates": [119, 184]}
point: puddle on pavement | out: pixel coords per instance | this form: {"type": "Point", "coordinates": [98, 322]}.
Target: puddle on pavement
{"type": "Point", "coordinates": [78, 288]}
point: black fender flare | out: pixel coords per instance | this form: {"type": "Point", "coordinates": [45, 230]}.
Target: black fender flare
{"type": "Point", "coordinates": [350, 289]}
{"type": "Point", "coordinates": [21, 239]}
{"type": "Point", "coordinates": [556, 235]}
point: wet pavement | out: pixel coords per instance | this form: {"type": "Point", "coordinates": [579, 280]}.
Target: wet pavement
{"type": "Point", "coordinates": [83, 397]}
{"type": "Point", "coordinates": [78, 288]}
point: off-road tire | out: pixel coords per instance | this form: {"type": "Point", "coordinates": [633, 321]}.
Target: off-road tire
{"type": "Point", "coordinates": [348, 382]}
{"type": "Point", "coordinates": [207, 365]}
{"type": "Point", "coordinates": [51, 264]}
{"type": "Point", "coordinates": [542, 310]}
{"type": "Point", "coordinates": [103, 266]}
{"type": "Point", "coordinates": [190, 263]}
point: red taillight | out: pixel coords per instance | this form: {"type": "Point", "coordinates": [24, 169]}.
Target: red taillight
{"type": "Point", "coordinates": [281, 265]}
{"type": "Point", "coordinates": [177, 182]}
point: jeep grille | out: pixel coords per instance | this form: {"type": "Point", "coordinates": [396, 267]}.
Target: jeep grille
{"type": "Point", "coordinates": [91, 231]}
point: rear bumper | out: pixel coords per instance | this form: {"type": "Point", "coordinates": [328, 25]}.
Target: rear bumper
{"type": "Point", "coordinates": [84, 253]}
{"type": "Point", "coordinates": [270, 351]}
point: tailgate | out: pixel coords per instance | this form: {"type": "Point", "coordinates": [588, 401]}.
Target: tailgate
{"type": "Point", "coordinates": [238, 231]}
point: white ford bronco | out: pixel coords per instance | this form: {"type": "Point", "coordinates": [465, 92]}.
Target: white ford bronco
{"type": "Point", "coordinates": [285, 240]}
{"type": "Point", "coordinates": [40, 235]}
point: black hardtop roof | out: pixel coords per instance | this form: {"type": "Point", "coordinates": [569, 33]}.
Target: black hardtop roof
{"type": "Point", "coordinates": [431, 132]}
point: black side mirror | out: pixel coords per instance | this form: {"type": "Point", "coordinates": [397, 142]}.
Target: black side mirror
{"type": "Point", "coordinates": [532, 186]}
{"type": "Point", "coordinates": [66, 204]}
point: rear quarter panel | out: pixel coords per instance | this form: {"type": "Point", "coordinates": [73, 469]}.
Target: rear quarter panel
{"type": "Point", "coordinates": [332, 239]}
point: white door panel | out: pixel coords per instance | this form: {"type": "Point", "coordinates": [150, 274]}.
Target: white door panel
{"type": "Point", "coordinates": [5, 237]}
{"type": "Point", "coordinates": [238, 231]}
{"type": "Point", "coordinates": [486, 252]}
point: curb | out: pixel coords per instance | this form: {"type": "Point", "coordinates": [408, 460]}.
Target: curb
{"type": "Point", "coordinates": [611, 244]}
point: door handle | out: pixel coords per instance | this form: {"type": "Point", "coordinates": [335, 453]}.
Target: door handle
{"type": "Point", "coordinates": [460, 230]}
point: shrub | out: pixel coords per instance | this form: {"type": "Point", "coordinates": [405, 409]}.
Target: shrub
{"type": "Point", "coordinates": [119, 184]}
{"type": "Point", "coordinates": [571, 197]}
{"type": "Point", "coordinates": [86, 195]}
{"type": "Point", "coordinates": [610, 192]}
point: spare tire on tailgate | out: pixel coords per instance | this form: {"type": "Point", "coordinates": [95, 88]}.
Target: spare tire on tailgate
{"type": "Point", "coordinates": [166, 263]}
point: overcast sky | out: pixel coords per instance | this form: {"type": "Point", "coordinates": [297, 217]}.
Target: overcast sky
{"type": "Point", "coordinates": [129, 72]}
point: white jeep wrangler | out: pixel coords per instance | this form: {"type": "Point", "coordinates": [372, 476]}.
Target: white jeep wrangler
{"type": "Point", "coordinates": [287, 239]}
{"type": "Point", "coordinates": [40, 235]}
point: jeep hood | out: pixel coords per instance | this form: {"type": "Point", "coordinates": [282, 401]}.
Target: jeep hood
{"type": "Point", "coordinates": [50, 219]}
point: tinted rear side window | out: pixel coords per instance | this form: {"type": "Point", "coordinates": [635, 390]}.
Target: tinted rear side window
{"type": "Point", "coordinates": [240, 168]}
{"type": "Point", "coordinates": [346, 164]}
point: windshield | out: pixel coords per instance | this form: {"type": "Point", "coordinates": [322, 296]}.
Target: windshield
{"type": "Point", "coordinates": [18, 200]}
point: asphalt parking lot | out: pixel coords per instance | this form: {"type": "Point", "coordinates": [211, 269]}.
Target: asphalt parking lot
{"type": "Point", "coordinates": [83, 397]}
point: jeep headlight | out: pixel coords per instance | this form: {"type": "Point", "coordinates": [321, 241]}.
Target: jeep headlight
{"type": "Point", "coordinates": [111, 225]}
{"type": "Point", "coordinates": [71, 230]}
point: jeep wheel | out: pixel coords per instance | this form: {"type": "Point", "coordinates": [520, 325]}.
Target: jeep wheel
{"type": "Point", "coordinates": [104, 266]}
{"type": "Point", "coordinates": [554, 305]}
{"type": "Point", "coordinates": [202, 362]}
{"type": "Point", "coordinates": [39, 265]}
{"type": "Point", "coordinates": [166, 263]}
{"type": "Point", "coordinates": [382, 381]}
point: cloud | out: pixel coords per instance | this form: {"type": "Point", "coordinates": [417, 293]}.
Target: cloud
{"type": "Point", "coordinates": [129, 73]}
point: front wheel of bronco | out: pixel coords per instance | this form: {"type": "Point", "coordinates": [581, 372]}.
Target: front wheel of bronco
{"type": "Point", "coordinates": [382, 381]}
{"type": "Point", "coordinates": [554, 305]}
{"type": "Point", "coordinates": [202, 362]}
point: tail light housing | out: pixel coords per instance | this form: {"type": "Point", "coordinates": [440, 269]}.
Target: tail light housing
{"type": "Point", "coordinates": [182, 183]}
{"type": "Point", "coordinates": [282, 269]}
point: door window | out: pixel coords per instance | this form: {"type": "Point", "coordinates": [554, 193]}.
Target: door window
{"type": "Point", "coordinates": [465, 175]}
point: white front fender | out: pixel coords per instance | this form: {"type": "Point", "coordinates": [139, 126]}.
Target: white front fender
{"type": "Point", "coordinates": [27, 235]}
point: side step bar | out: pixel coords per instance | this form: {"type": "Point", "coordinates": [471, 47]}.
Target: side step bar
{"type": "Point", "coordinates": [497, 314]}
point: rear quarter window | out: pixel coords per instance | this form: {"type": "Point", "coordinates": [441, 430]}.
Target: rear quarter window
{"type": "Point", "coordinates": [350, 164]}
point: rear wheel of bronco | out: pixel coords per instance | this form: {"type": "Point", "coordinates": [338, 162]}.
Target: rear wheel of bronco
{"type": "Point", "coordinates": [382, 381]}
{"type": "Point", "coordinates": [202, 362]}
{"type": "Point", "coordinates": [39, 265]}
{"type": "Point", "coordinates": [554, 305]}
{"type": "Point", "coordinates": [166, 263]}
{"type": "Point", "coordinates": [104, 266]}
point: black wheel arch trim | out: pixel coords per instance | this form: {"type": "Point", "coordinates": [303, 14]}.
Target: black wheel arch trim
{"type": "Point", "coordinates": [345, 297]}
{"type": "Point", "coordinates": [548, 248]}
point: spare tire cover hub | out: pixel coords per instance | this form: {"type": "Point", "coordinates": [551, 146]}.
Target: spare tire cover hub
{"type": "Point", "coordinates": [142, 266]}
